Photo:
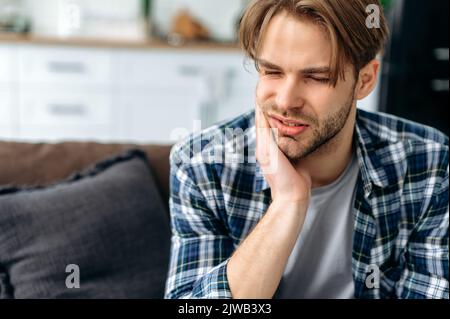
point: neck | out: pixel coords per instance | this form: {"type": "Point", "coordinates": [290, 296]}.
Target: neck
{"type": "Point", "coordinates": [328, 163]}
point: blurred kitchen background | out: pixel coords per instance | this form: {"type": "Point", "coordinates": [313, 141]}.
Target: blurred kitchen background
{"type": "Point", "coordinates": [153, 71]}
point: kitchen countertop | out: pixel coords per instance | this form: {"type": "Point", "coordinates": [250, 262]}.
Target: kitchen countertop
{"type": "Point", "coordinates": [118, 44]}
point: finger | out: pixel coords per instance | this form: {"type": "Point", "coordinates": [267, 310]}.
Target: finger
{"type": "Point", "coordinates": [271, 132]}
{"type": "Point", "coordinates": [262, 138]}
{"type": "Point", "coordinates": [263, 127]}
{"type": "Point", "coordinates": [262, 133]}
{"type": "Point", "coordinates": [267, 149]}
{"type": "Point", "coordinates": [261, 118]}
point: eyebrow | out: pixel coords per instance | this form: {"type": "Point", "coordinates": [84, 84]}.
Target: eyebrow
{"type": "Point", "coordinates": [311, 70]}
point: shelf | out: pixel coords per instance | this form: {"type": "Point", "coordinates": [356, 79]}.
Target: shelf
{"type": "Point", "coordinates": [119, 44]}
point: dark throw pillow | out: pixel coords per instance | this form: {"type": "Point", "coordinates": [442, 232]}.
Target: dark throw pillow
{"type": "Point", "coordinates": [109, 222]}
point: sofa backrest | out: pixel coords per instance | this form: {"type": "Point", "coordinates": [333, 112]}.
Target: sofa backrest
{"type": "Point", "coordinates": [43, 164]}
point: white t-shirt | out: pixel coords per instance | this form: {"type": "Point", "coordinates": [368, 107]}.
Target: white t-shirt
{"type": "Point", "coordinates": [320, 265]}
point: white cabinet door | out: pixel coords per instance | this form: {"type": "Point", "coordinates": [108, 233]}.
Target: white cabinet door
{"type": "Point", "coordinates": [158, 116]}
{"type": "Point", "coordinates": [6, 63]}
{"type": "Point", "coordinates": [7, 79]}
{"type": "Point", "coordinates": [169, 68]}
{"type": "Point", "coordinates": [6, 132]}
{"type": "Point", "coordinates": [162, 68]}
{"type": "Point", "coordinates": [65, 108]}
{"type": "Point", "coordinates": [219, 83]}
{"type": "Point", "coordinates": [68, 66]}
{"type": "Point", "coordinates": [6, 120]}
{"type": "Point", "coordinates": [5, 105]}
{"type": "Point", "coordinates": [65, 114]}
{"type": "Point", "coordinates": [237, 104]}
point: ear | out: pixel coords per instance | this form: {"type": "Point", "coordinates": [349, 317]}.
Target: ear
{"type": "Point", "coordinates": [367, 79]}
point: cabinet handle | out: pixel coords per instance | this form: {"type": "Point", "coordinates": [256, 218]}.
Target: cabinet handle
{"type": "Point", "coordinates": [440, 85]}
{"type": "Point", "coordinates": [67, 110]}
{"type": "Point", "coordinates": [67, 67]}
{"type": "Point", "coordinates": [189, 70]}
{"type": "Point", "coordinates": [441, 54]}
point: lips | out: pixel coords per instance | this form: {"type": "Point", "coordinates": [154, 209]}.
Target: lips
{"type": "Point", "coordinates": [287, 127]}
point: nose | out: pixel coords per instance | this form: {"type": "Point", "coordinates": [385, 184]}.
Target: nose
{"type": "Point", "coordinates": [289, 94]}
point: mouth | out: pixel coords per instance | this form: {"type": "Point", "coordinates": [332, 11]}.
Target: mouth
{"type": "Point", "coordinates": [287, 127]}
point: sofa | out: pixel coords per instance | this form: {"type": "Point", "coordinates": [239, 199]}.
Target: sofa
{"type": "Point", "coordinates": [84, 220]}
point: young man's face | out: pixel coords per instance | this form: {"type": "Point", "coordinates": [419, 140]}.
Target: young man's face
{"type": "Point", "coordinates": [294, 86]}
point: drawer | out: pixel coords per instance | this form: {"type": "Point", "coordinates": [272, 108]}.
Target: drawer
{"type": "Point", "coordinates": [158, 117]}
{"type": "Point", "coordinates": [65, 108]}
{"type": "Point", "coordinates": [236, 105]}
{"type": "Point", "coordinates": [169, 69]}
{"type": "Point", "coordinates": [6, 132]}
{"type": "Point", "coordinates": [5, 107]}
{"type": "Point", "coordinates": [65, 65]}
{"type": "Point", "coordinates": [155, 69]}
{"type": "Point", "coordinates": [5, 64]}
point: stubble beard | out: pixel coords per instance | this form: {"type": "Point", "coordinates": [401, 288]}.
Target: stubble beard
{"type": "Point", "coordinates": [321, 135]}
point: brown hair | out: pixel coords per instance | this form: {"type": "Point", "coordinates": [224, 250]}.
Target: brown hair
{"type": "Point", "coordinates": [344, 20]}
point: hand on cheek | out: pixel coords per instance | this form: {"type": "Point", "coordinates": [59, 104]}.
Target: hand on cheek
{"type": "Point", "coordinates": [286, 183]}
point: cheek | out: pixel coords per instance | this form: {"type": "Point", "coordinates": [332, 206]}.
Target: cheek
{"type": "Point", "coordinates": [319, 101]}
{"type": "Point", "coordinates": [265, 90]}
{"type": "Point", "coordinates": [329, 100]}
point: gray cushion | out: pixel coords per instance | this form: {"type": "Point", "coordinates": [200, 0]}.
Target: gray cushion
{"type": "Point", "coordinates": [109, 220]}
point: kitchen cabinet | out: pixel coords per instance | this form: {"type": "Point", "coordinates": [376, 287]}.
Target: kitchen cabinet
{"type": "Point", "coordinates": [65, 114]}
{"type": "Point", "coordinates": [6, 92]}
{"type": "Point", "coordinates": [64, 93]}
{"type": "Point", "coordinates": [64, 66]}
{"type": "Point", "coordinates": [6, 118]}
{"type": "Point", "coordinates": [55, 93]}
{"type": "Point", "coordinates": [145, 121]}
{"type": "Point", "coordinates": [6, 64]}
{"type": "Point", "coordinates": [163, 92]}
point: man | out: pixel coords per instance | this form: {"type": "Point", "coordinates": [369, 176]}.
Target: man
{"type": "Point", "coordinates": [341, 203]}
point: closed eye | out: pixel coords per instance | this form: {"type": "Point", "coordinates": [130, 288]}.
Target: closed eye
{"type": "Point", "coordinates": [320, 80]}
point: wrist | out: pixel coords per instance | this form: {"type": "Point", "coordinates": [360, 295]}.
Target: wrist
{"type": "Point", "coordinates": [289, 204]}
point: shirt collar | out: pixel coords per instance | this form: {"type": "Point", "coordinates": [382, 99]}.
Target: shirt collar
{"type": "Point", "coordinates": [382, 157]}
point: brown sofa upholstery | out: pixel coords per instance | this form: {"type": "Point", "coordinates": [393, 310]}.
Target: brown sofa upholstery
{"type": "Point", "coordinates": [125, 264]}
{"type": "Point", "coordinates": [43, 164]}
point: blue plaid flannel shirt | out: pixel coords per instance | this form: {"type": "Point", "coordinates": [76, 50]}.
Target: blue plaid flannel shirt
{"type": "Point", "coordinates": [401, 210]}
